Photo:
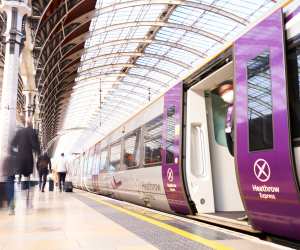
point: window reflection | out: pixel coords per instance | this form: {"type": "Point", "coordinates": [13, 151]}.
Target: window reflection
{"type": "Point", "coordinates": [170, 135]}
{"type": "Point", "coordinates": [260, 102]}
{"type": "Point", "coordinates": [153, 141]}
{"type": "Point", "coordinates": [132, 152]}
{"type": "Point", "coordinates": [103, 159]}
{"type": "Point", "coordinates": [115, 157]}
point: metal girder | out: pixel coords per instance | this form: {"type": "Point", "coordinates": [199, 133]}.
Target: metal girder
{"type": "Point", "coordinates": [113, 96]}
{"type": "Point", "coordinates": [45, 107]}
{"type": "Point", "coordinates": [79, 39]}
{"type": "Point", "coordinates": [62, 17]}
{"type": "Point", "coordinates": [139, 54]}
{"type": "Point", "coordinates": [134, 76]}
{"type": "Point", "coordinates": [69, 74]}
{"type": "Point", "coordinates": [119, 110]}
{"type": "Point", "coordinates": [66, 69]}
{"type": "Point", "coordinates": [108, 93]}
{"type": "Point", "coordinates": [260, 102]}
{"type": "Point", "coordinates": [128, 65]}
{"type": "Point", "coordinates": [74, 56]}
{"type": "Point", "coordinates": [44, 99]}
{"type": "Point", "coordinates": [149, 41]}
{"type": "Point", "coordinates": [131, 84]}
{"type": "Point", "coordinates": [175, 26]}
{"type": "Point", "coordinates": [197, 5]}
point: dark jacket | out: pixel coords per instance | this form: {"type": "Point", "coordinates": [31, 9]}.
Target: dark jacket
{"type": "Point", "coordinates": [26, 141]}
{"type": "Point", "coordinates": [43, 163]}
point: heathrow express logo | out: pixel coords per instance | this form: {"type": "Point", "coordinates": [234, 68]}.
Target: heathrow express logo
{"type": "Point", "coordinates": [170, 175]}
{"type": "Point", "coordinates": [262, 170]}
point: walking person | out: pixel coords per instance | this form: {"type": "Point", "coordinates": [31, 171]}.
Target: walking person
{"type": "Point", "coordinates": [44, 168]}
{"type": "Point", "coordinates": [61, 171]}
{"type": "Point", "coordinates": [24, 144]}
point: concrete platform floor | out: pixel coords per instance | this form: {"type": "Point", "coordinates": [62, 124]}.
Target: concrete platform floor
{"type": "Point", "coordinates": [83, 221]}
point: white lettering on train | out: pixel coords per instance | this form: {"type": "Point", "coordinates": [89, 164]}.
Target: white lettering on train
{"type": "Point", "coordinates": [265, 188]}
{"type": "Point", "coordinates": [266, 192]}
{"type": "Point", "coordinates": [267, 196]}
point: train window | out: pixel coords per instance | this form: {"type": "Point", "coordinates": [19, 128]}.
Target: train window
{"type": "Point", "coordinates": [132, 149]}
{"type": "Point", "coordinates": [103, 159]}
{"type": "Point", "coordinates": [170, 135]}
{"type": "Point", "coordinates": [293, 60]}
{"type": "Point", "coordinates": [219, 108]}
{"type": "Point", "coordinates": [115, 157]}
{"type": "Point", "coordinates": [260, 118]}
{"type": "Point", "coordinates": [153, 142]}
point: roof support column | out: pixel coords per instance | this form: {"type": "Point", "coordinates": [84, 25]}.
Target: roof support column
{"type": "Point", "coordinates": [29, 105]}
{"type": "Point", "coordinates": [15, 11]}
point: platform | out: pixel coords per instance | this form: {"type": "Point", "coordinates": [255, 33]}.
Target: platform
{"type": "Point", "coordinates": [84, 221]}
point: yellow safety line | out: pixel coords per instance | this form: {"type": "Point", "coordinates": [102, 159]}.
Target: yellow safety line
{"type": "Point", "coordinates": [190, 236]}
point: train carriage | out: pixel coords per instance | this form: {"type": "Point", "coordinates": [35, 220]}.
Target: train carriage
{"type": "Point", "coordinates": [175, 155]}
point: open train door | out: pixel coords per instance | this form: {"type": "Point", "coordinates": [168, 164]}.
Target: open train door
{"type": "Point", "coordinates": [171, 156]}
{"type": "Point", "coordinates": [263, 149]}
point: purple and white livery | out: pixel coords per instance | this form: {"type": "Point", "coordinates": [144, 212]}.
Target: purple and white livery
{"type": "Point", "coordinates": [173, 155]}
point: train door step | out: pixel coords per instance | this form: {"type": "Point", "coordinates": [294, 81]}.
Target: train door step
{"type": "Point", "coordinates": [227, 219]}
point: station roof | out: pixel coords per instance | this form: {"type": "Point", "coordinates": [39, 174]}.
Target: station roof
{"type": "Point", "coordinates": [134, 50]}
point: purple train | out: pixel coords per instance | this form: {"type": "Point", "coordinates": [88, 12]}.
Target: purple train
{"type": "Point", "coordinates": [190, 152]}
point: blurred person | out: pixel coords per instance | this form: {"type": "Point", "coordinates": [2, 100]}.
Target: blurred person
{"type": "Point", "coordinates": [24, 144]}
{"type": "Point", "coordinates": [44, 168]}
{"type": "Point", "coordinates": [61, 170]}
{"type": "Point", "coordinates": [9, 170]}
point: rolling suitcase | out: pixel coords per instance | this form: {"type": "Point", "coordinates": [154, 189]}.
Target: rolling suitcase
{"type": "Point", "coordinates": [68, 187]}
{"type": "Point", "coordinates": [51, 185]}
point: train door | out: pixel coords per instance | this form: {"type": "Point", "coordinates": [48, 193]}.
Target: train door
{"type": "Point", "coordinates": [226, 191]}
{"type": "Point", "coordinates": [198, 164]}
{"type": "Point", "coordinates": [263, 148]}
{"type": "Point", "coordinates": [172, 170]}
{"type": "Point", "coordinates": [212, 167]}
{"type": "Point", "coordinates": [96, 168]}
{"type": "Point", "coordinates": [81, 170]}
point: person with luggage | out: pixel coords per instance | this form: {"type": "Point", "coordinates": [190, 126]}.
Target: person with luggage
{"type": "Point", "coordinates": [61, 170]}
{"type": "Point", "coordinates": [43, 167]}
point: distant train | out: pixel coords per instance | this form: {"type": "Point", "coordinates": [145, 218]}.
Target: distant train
{"type": "Point", "coordinates": [192, 152]}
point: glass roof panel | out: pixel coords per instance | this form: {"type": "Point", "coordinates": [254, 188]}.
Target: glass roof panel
{"type": "Point", "coordinates": [137, 46]}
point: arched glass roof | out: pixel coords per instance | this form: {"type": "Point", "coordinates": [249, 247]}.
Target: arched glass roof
{"type": "Point", "coordinates": [138, 48]}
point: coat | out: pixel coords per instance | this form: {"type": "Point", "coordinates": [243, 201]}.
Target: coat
{"type": "Point", "coordinates": [26, 141]}
{"type": "Point", "coordinates": [43, 164]}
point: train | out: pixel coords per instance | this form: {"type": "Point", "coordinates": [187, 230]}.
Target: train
{"type": "Point", "coordinates": [223, 144]}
